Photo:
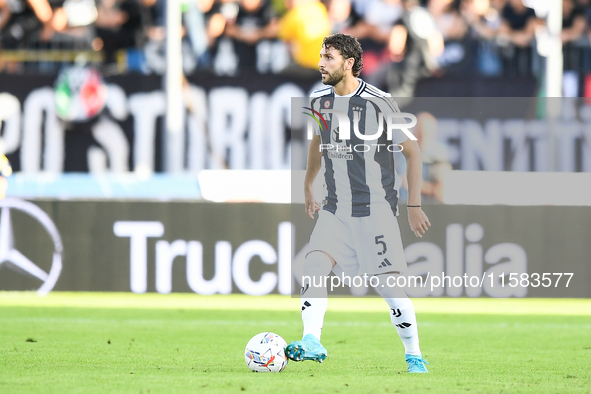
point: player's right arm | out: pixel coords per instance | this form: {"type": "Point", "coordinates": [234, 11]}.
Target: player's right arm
{"type": "Point", "coordinates": [314, 163]}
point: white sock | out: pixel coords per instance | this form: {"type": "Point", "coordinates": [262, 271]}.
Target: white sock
{"type": "Point", "coordinates": [314, 295]}
{"type": "Point", "coordinates": [403, 317]}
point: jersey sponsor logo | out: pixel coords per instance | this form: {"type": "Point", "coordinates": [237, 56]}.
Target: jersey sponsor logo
{"type": "Point", "coordinates": [15, 259]}
{"type": "Point", "coordinates": [339, 155]}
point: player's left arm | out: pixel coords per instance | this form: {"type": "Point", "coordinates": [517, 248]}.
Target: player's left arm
{"type": "Point", "coordinates": [418, 220]}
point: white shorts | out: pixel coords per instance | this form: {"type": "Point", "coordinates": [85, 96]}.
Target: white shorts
{"type": "Point", "coordinates": [360, 245]}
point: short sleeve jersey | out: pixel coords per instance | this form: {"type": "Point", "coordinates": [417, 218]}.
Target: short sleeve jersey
{"type": "Point", "coordinates": [358, 172]}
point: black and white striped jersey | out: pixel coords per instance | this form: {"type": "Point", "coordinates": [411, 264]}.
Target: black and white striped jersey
{"type": "Point", "coordinates": [358, 172]}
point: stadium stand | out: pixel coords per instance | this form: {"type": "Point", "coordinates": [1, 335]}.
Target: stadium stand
{"type": "Point", "coordinates": [481, 38]}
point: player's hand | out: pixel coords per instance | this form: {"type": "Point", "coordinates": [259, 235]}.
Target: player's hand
{"type": "Point", "coordinates": [418, 220]}
{"type": "Point", "coordinates": [312, 206]}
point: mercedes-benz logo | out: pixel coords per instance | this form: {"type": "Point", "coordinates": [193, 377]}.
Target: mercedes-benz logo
{"type": "Point", "coordinates": [8, 254]}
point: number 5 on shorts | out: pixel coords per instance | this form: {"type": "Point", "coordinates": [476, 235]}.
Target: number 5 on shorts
{"type": "Point", "coordinates": [378, 242]}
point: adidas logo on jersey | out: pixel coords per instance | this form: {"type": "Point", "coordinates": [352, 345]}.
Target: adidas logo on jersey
{"type": "Point", "coordinates": [385, 263]}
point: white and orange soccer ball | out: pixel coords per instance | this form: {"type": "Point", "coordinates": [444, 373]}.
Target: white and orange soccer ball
{"type": "Point", "coordinates": [265, 352]}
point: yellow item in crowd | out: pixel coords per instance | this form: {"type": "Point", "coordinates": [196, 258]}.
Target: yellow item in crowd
{"type": "Point", "coordinates": [5, 167]}
{"type": "Point", "coordinates": [304, 27]}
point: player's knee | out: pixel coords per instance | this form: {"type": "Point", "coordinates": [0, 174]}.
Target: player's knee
{"type": "Point", "coordinates": [388, 288]}
{"type": "Point", "coordinates": [317, 264]}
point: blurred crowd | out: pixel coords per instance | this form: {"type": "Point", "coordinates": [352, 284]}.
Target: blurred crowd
{"type": "Point", "coordinates": [403, 40]}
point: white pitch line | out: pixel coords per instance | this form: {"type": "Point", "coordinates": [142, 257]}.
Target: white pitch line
{"type": "Point", "coordinates": [283, 323]}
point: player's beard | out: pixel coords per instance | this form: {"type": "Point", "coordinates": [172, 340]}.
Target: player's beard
{"type": "Point", "coordinates": [335, 77]}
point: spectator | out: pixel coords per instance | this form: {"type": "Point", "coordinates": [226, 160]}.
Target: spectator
{"type": "Point", "coordinates": [483, 19]}
{"type": "Point", "coordinates": [22, 21]}
{"type": "Point", "coordinates": [519, 23]}
{"type": "Point", "coordinates": [7, 39]}
{"type": "Point", "coordinates": [194, 23]}
{"type": "Point", "coordinates": [573, 21]}
{"type": "Point", "coordinates": [152, 14]}
{"type": "Point", "coordinates": [459, 55]}
{"type": "Point", "coordinates": [359, 6]}
{"type": "Point", "coordinates": [200, 51]}
{"type": "Point", "coordinates": [304, 27]}
{"type": "Point", "coordinates": [340, 15]}
{"type": "Point", "coordinates": [373, 31]}
{"type": "Point", "coordinates": [414, 45]}
{"type": "Point", "coordinates": [5, 14]}
{"type": "Point", "coordinates": [435, 156]}
{"type": "Point", "coordinates": [573, 28]}
{"type": "Point", "coordinates": [214, 20]}
{"type": "Point", "coordinates": [117, 26]}
{"type": "Point", "coordinates": [448, 19]}
{"type": "Point", "coordinates": [380, 16]}
{"type": "Point", "coordinates": [585, 5]}
{"type": "Point", "coordinates": [515, 37]}
{"type": "Point", "coordinates": [254, 22]}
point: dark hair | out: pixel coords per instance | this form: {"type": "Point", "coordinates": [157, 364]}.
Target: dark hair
{"type": "Point", "coordinates": [349, 47]}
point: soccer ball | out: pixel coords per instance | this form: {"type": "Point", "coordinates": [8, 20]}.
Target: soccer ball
{"type": "Point", "coordinates": [265, 352]}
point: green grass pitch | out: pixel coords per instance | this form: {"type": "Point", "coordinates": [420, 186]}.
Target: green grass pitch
{"type": "Point", "coordinates": [185, 343]}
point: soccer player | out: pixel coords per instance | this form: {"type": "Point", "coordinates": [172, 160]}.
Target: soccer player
{"type": "Point", "coordinates": [357, 229]}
